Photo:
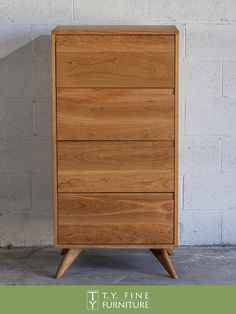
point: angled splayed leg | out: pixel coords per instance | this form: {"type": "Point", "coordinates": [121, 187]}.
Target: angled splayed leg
{"type": "Point", "coordinates": [170, 251]}
{"type": "Point", "coordinates": [163, 258]}
{"type": "Point", "coordinates": [64, 251]}
{"type": "Point", "coordinates": [67, 260]}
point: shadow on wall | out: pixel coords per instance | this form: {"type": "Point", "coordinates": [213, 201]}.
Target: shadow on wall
{"type": "Point", "coordinates": [25, 144]}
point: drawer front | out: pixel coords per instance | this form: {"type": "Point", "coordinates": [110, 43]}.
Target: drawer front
{"type": "Point", "coordinates": [115, 114]}
{"type": "Point", "coordinates": [115, 61]}
{"type": "Point", "coordinates": [127, 166]}
{"type": "Point", "coordinates": [115, 218]}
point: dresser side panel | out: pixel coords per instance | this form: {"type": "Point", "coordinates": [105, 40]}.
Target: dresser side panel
{"type": "Point", "coordinates": [54, 140]}
{"type": "Point", "coordinates": [176, 222]}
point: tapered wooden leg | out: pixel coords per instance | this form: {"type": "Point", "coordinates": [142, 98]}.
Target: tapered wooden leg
{"type": "Point", "coordinates": [64, 251]}
{"type": "Point", "coordinates": [163, 258]}
{"type": "Point", "coordinates": [169, 251]}
{"type": "Point", "coordinates": [67, 260]}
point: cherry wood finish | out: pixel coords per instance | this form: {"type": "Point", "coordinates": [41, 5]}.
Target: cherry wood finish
{"type": "Point", "coordinates": [64, 251]}
{"type": "Point", "coordinates": [115, 114]}
{"type": "Point", "coordinates": [162, 255]}
{"type": "Point", "coordinates": [115, 61]}
{"type": "Point", "coordinates": [120, 70]}
{"type": "Point", "coordinates": [116, 29]}
{"type": "Point", "coordinates": [68, 258]}
{"type": "Point", "coordinates": [54, 136]}
{"type": "Point", "coordinates": [121, 166]}
{"type": "Point", "coordinates": [115, 43]}
{"type": "Point", "coordinates": [119, 218]}
{"type": "Point", "coordinates": [115, 139]}
{"type": "Point", "coordinates": [76, 156]}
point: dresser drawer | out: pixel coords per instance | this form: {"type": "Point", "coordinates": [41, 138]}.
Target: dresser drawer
{"type": "Point", "coordinates": [115, 218]}
{"type": "Point", "coordinates": [115, 61]}
{"type": "Point", "coordinates": [129, 166]}
{"type": "Point", "coordinates": [115, 114]}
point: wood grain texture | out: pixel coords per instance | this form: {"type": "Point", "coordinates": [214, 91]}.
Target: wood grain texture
{"type": "Point", "coordinates": [117, 69]}
{"type": "Point", "coordinates": [115, 114]}
{"type": "Point", "coordinates": [118, 181]}
{"type": "Point", "coordinates": [74, 156]}
{"type": "Point", "coordinates": [115, 218]}
{"type": "Point", "coordinates": [115, 246]}
{"type": "Point", "coordinates": [68, 258]}
{"type": "Point", "coordinates": [163, 257]}
{"type": "Point", "coordinates": [108, 62]}
{"type": "Point", "coordinates": [129, 166]}
{"type": "Point", "coordinates": [134, 98]}
{"type": "Point", "coordinates": [115, 29]}
{"type": "Point", "coordinates": [176, 137]}
{"type": "Point", "coordinates": [54, 139]}
{"type": "Point", "coordinates": [115, 43]}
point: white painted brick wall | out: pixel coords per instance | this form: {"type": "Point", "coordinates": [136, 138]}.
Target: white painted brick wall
{"type": "Point", "coordinates": [214, 191]}
{"type": "Point", "coordinates": [200, 153]}
{"type": "Point", "coordinates": [182, 11]}
{"type": "Point", "coordinates": [207, 110]}
{"type": "Point", "coordinates": [229, 14]}
{"type": "Point", "coordinates": [104, 12]}
{"type": "Point", "coordinates": [211, 42]}
{"type": "Point", "coordinates": [229, 78]}
{"type": "Point", "coordinates": [203, 79]}
{"type": "Point", "coordinates": [196, 228]}
{"type": "Point", "coordinates": [35, 11]}
{"type": "Point", "coordinates": [228, 154]}
{"type": "Point", "coordinates": [214, 116]}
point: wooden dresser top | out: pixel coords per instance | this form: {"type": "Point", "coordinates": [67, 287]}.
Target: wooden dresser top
{"type": "Point", "coordinates": [116, 29]}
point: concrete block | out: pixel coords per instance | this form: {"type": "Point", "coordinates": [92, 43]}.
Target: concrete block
{"type": "Point", "coordinates": [42, 80]}
{"type": "Point", "coordinates": [182, 36]}
{"type": "Point", "coordinates": [41, 155]}
{"type": "Point", "coordinates": [15, 155]}
{"type": "Point", "coordinates": [17, 118]}
{"type": "Point", "coordinates": [25, 155]}
{"type": "Point", "coordinates": [203, 80]}
{"type": "Point", "coordinates": [17, 80]}
{"type": "Point", "coordinates": [229, 10]}
{"type": "Point", "coordinates": [15, 193]}
{"type": "Point", "coordinates": [209, 191]}
{"type": "Point", "coordinates": [32, 229]}
{"type": "Point", "coordinates": [42, 42]}
{"type": "Point", "coordinates": [182, 79]}
{"type": "Point", "coordinates": [42, 192]}
{"type": "Point", "coordinates": [35, 11]}
{"type": "Point", "coordinates": [211, 42]}
{"type": "Point", "coordinates": [42, 113]}
{"type": "Point", "coordinates": [215, 116]}
{"type": "Point", "coordinates": [25, 80]}
{"type": "Point", "coordinates": [103, 11]}
{"type": "Point", "coordinates": [200, 227]}
{"type": "Point", "coordinates": [181, 191]}
{"type": "Point", "coordinates": [16, 43]}
{"type": "Point", "coordinates": [228, 227]}
{"type": "Point", "coordinates": [229, 78]}
{"type": "Point", "coordinates": [181, 11]}
{"type": "Point", "coordinates": [200, 153]}
{"type": "Point", "coordinates": [228, 154]}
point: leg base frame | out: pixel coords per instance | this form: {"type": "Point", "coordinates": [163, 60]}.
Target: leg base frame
{"type": "Point", "coordinates": [70, 255]}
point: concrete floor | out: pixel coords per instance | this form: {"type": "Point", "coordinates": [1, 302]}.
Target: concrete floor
{"type": "Point", "coordinates": [194, 265]}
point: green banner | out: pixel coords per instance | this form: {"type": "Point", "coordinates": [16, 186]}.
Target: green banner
{"type": "Point", "coordinates": [117, 299]}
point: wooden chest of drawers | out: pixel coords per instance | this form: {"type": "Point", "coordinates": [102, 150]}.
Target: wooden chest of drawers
{"type": "Point", "coordinates": [115, 139]}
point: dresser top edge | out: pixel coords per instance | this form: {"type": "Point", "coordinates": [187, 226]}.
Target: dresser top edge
{"type": "Point", "coordinates": [116, 29]}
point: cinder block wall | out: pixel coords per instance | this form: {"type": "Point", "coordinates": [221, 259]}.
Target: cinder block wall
{"type": "Point", "coordinates": [207, 110]}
